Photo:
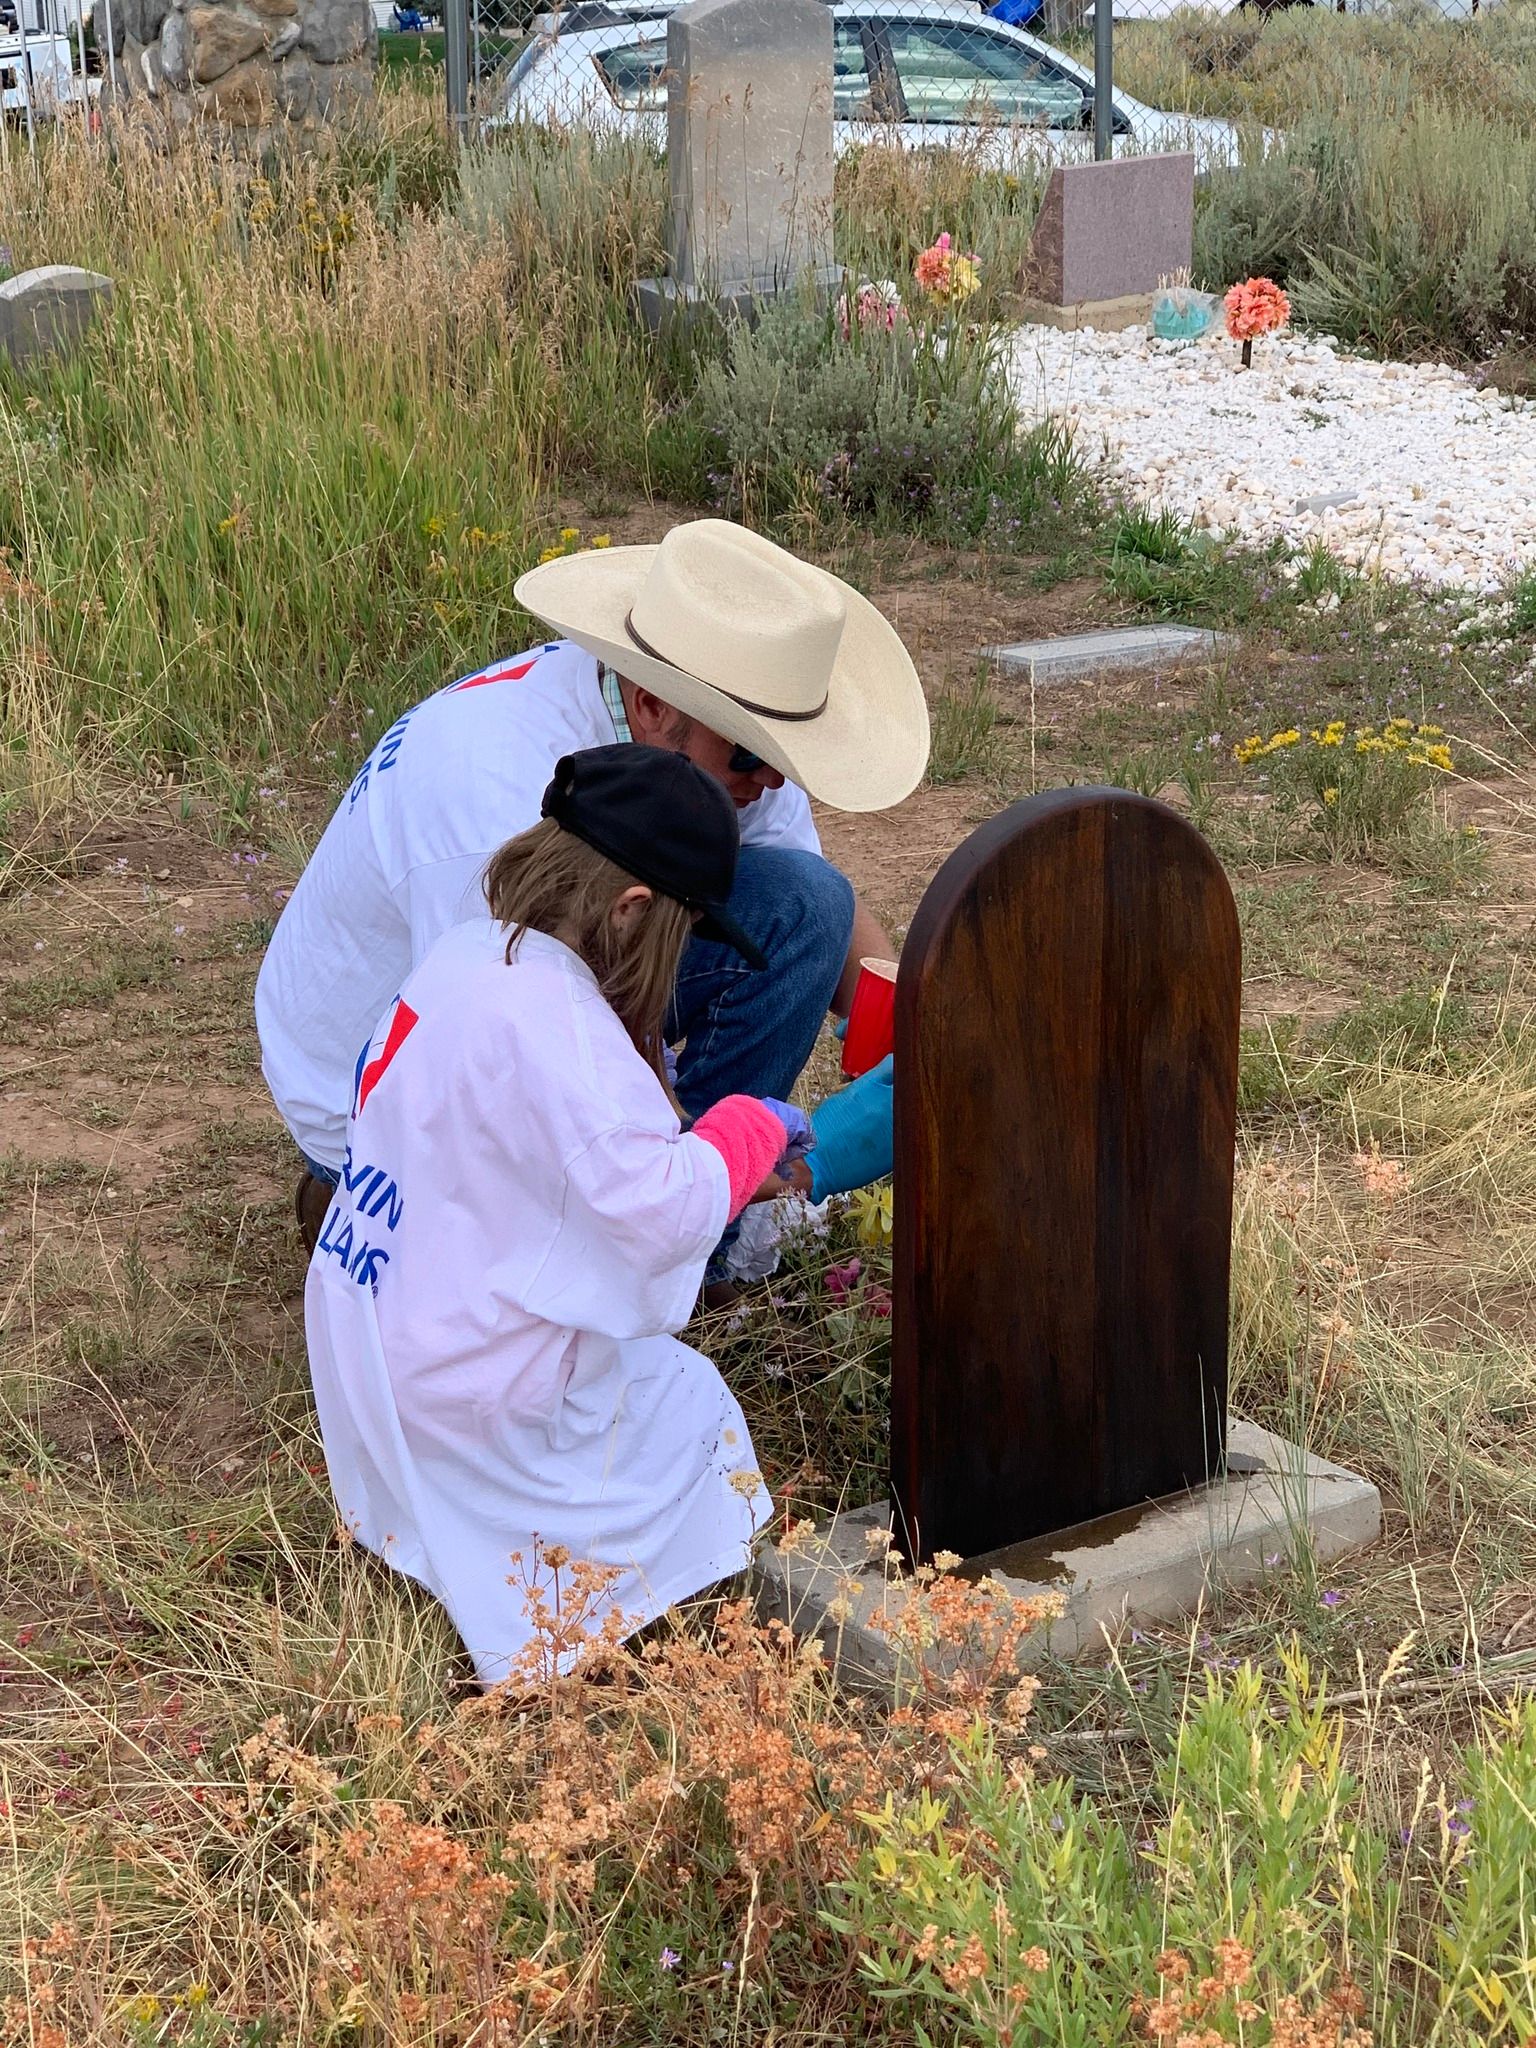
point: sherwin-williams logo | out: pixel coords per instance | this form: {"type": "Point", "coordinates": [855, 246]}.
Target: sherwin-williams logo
{"type": "Point", "coordinates": [373, 1061]}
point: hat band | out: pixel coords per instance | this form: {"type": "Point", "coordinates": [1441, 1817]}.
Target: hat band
{"type": "Point", "coordinates": [746, 704]}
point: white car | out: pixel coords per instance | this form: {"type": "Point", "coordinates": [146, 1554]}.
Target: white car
{"type": "Point", "coordinates": [920, 73]}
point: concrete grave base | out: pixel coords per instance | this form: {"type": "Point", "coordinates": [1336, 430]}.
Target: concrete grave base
{"type": "Point", "coordinates": [1104, 316]}
{"type": "Point", "coordinates": [660, 301]}
{"type": "Point", "coordinates": [1153, 1563]}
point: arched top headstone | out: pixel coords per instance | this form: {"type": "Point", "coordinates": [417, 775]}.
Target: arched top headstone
{"type": "Point", "coordinates": [1066, 1088]}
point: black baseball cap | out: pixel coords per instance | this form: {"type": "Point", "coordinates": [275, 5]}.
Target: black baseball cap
{"type": "Point", "coordinates": [662, 820]}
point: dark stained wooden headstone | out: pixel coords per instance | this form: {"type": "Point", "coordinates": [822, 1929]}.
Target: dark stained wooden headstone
{"type": "Point", "coordinates": [1066, 1102]}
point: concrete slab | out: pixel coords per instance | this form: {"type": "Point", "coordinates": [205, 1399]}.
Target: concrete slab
{"type": "Point", "coordinates": [1074, 655]}
{"type": "Point", "coordinates": [1152, 1563]}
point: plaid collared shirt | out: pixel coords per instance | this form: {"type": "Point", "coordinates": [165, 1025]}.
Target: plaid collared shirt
{"type": "Point", "coordinates": [613, 697]}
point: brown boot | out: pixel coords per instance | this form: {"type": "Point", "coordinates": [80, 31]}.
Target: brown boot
{"type": "Point", "coordinates": [310, 1203]}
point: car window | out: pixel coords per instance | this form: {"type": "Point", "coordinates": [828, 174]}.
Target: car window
{"type": "Point", "coordinates": [950, 71]}
{"type": "Point", "coordinates": [636, 74]}
{"type": "Point", "coordinates": [851, 97]}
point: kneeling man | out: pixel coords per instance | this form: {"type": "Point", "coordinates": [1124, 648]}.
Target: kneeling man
{"type": "Point", "coordinates": [774, 677]}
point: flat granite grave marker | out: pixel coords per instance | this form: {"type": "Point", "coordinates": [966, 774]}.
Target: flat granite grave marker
{"type": "Point", "coordinates": [1106, 237]}
{"type": "Point", "coordinates": [749, 156]}
{"type": "Point", "coordinates": [1066, 1063]}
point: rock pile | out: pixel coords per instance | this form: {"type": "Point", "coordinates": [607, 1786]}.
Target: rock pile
{"type": "Point", "coordinates": [257, 67]}
{"type": "Point", "coordinates": [1408, 470]}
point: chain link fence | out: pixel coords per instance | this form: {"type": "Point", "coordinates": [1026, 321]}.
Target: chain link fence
{"type": "Point", "coordinates": [915, 73]}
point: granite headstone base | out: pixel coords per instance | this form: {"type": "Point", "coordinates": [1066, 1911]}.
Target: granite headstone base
{"type": "Point", "coordinates": [1155, 1563]}
{"type": "Point", "coordinates": [44, 311]}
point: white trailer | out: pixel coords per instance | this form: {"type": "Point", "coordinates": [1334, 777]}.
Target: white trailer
{"type": "Point", "coordinates": [37, 75]}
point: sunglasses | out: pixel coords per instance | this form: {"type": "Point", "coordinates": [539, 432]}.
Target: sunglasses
{"type": "Point", "coordinates": [743, 762]}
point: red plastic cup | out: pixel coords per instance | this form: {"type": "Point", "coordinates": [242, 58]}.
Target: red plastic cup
{"type": "Point", "coordinates": [871, 1032]}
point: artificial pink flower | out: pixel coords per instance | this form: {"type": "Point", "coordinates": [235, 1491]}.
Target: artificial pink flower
{"type": "Point", "coordinates": [944, 274]}
{"type": "Point", "coordinates": [840, 1281]}
{"type": "Point", "coordinates": [1256, 307]}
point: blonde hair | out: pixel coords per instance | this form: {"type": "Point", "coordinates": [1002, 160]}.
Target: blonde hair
{"type": "Point", "coordinates": [547, 880]}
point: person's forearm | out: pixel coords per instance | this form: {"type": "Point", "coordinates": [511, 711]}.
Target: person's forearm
{"type": "Point", "coordinates": [870, 941]}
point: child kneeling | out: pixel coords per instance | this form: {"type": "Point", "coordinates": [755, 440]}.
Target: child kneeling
{"type": "Point", "coordinates": [521, 1224]}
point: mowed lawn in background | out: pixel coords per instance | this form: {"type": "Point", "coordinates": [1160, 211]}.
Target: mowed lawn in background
{"type": "Point", "coordinates": [245, 1793]}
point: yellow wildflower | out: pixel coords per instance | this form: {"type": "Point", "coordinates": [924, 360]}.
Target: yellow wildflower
{"type": "Point", "coordinates": [1331, 796]}
{"type": "Point", "coordinates": [197, 1994]}
{"type": "Point", "coordinates": [550, 555]}
{"type": "Point", "coordinates": [570, 533]}
{"type": "Point", "coordinates": [602, 540]}
{"type": "Point", "coordinates": [145, 2009]}
{"type": "Point", "coordinates": [433, 528]}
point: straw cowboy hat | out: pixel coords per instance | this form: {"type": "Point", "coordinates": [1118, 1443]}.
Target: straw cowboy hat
{"type": "Point", "coordinates": [778, 656]}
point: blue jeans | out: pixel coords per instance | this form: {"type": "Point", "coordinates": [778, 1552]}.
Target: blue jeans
{"type": "Point", "coordinates": [749, 1031]}
{"type": "Point", "coordinates": [328, 1174]}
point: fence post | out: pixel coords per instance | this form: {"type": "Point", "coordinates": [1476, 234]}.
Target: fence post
{"type": "Point", "coordinates": [456, 63]}
{"type": "Point", "coordinates": [1103, 80]}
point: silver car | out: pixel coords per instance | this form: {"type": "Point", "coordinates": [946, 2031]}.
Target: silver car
{"type": "Point", "coordinates": [919, 73]}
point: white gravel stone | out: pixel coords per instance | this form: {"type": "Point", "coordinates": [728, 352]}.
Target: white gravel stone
{"type": "Point", "coordinates": [1440, 477]}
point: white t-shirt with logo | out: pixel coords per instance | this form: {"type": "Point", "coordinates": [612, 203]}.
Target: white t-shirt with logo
{"type": "Point", "coordinates": [519, 1227]}
{"type": "Point", "coordinates": [402, 859]}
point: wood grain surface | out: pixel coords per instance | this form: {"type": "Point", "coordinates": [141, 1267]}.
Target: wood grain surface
{"type": "Point", "coordinates": [1066, 1101]}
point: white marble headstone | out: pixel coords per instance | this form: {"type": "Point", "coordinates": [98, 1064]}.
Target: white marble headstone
{"type": "Point", "coordinates": [749, 144]}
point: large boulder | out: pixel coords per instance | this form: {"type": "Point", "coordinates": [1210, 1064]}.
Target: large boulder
{"type": "Point", "coordinates": [243, 97]}
{"type": "Point", "coordinates": [223, 37]}
{"type": "Point", "coordinates": [337, 31]}
{"type": "Point", "coordinates": [140, 20]}
{"type": "Point", "coordinates": [257, 68]}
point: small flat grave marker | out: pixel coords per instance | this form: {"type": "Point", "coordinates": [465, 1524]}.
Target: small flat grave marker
{"type": "Point", "coordinates": [1071, 655]}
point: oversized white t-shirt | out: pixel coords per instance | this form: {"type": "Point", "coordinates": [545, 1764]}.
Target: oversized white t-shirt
{"type": "Point", "coordinates": [519, 1227]}
{"type": "Point", "coordinates": [402, 859]}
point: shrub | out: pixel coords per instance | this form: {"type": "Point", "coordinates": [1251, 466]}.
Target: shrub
{"type": "Point", "coordinates": [908, 427]}
{"type": "Point", "coordinates": [1402, 230]}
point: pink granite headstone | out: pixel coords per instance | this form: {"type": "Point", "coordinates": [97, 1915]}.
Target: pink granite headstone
{"type": "Point", "coordinates": [1112, 230]}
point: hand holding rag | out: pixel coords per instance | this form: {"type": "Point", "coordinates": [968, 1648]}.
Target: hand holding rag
{"type": "Point", "coordinates": [797, 1125]}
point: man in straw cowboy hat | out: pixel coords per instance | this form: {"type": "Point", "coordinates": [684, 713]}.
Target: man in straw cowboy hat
{"type": "Point", "coordinates": [776, 678]}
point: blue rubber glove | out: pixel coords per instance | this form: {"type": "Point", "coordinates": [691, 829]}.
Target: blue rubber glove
{"type": "Point", "coordinates": [853, 1132]}
{"type": "Point", "coordinates": [797, 1126]}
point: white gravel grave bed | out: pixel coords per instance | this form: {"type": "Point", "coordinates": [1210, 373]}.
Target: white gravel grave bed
{"type": "Point", "coordinates": [1440, 476]}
